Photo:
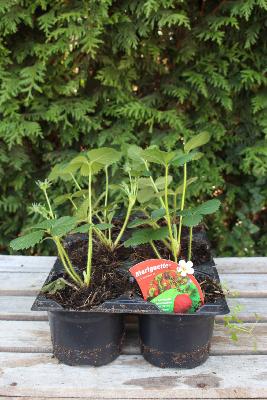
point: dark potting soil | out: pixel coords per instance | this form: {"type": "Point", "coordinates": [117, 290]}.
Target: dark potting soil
{"type": "Point", "coordinates": [110, 277]}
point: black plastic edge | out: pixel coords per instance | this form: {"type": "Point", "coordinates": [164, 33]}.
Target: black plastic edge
{"type": "Point", "coordinates": [133, 305]}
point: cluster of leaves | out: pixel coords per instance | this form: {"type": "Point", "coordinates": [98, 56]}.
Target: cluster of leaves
{"type": "Point", "coordinates": [236, 327]}
{"type": "Point", "coordinates": [99, 205]}
{"type": "Point", "coordinates": [87, 209]}
{"type": "Point", "coordinates": [154, 197]}
{"type": "Point", "coordinates": [76, 75]}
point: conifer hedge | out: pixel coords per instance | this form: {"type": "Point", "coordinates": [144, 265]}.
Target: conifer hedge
{"type": "Point", "coordinates": [81, 73]}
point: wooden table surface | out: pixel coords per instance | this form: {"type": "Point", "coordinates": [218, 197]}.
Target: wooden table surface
{"type": "Point", "coordinates": [28, 371]}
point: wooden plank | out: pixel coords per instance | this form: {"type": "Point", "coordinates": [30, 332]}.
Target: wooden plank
{"type": "Point", "coordinates": [131, 377]}
{"type": "Point", "coordinates": [28, 284]}
{"type": "Point", "coordinates": [18, 284]}
{"type": "Point", "coordinates": [241, 265]}
{"type": "Point", "coordinates": [19, 308]}
{"type": "Point", "coordinates": [34, 337]}
{"type": "Point", "coordinates": [84, 398]}
{"type": "Point", "coordinates": [252, 309]}
{"type": "Point", "coordinates": [233, 265]}
{"type": "Point", "coordinates": [245, 285]}
{"type": "Point", "coordinates": [90, 398]}
{"type": "Point", "coordinates": [26, 263]}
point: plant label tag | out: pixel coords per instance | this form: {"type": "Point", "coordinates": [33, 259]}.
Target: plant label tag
{"type": "Point", "coordinates": [145, 272]}
{"type": "Point", "coordinates": [161, 283]}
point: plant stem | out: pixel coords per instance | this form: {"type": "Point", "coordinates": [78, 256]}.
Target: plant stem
{"type": "Point", "coordinates": [70, 265]}
{"type": "Point", "coordinates": [182, 207]}
{"type": "Point", "coordinates": [175, 204]}
{"type": "Point", "coordinates": [90, 233]}
{"type": "Point", "coordinates": [164, 241]}
{"type": "Point", "coordinates": [99, 218]}
{"type": "Point", "coordinates": [106, 194]}
{"type": "Point", "coordinates": [66, 262]}
{"type": "Point", "coordinates": [168, 214]}
{"type": "Point", "coordinates": [106, 202]}
{"type": "Point", "coordinates": [157, 226]}
{"type": "Point", "coordinates": [49, 204]}
{"type": "Point", "coordinates": [76, 183]}
{"type": "Point", "coordinates": [154, 248]}
{"type": "Point", "coordinates": [130, 206]}
{"type": "Point", "coordinates": [190, 243]}
{"type": "Point", "coordinates": [153, 184]}
{"type": "Point", "coordinates": [72, 202]}
{"type": "Point", "coordinates": [102, 238]}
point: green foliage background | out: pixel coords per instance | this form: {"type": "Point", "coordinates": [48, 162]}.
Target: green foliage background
{"type": "Point", "coordinates": [79, 74]}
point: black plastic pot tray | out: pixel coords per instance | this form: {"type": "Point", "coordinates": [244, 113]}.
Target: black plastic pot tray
{"type": "Point", "coordinates": [128, 304]}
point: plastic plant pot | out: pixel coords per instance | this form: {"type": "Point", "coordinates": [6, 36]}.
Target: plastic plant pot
{"type": "Point", "coordinates": [181, 340]}
{"type": "Point", "coordinates": [94, 337]}
{"type": "Point", "coordinates": [176, 341]}
{"type": "Point", "coordinates": [81, 338]}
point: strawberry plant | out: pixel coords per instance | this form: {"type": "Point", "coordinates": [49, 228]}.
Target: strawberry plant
{"type": "Point", "coordinates": [89, 215]}
{"type": "Point", "coordinates": [163, 217]}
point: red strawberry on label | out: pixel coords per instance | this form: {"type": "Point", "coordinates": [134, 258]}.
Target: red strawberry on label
{"type": "Point", "coordinates": [182, 303]}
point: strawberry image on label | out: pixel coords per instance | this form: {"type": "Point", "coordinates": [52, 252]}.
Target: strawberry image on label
{"type": "Point", "coordinates": [167, 285]}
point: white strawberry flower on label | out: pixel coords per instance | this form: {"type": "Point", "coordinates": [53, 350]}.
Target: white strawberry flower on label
{"type": "Point", "coordinates": [185, 268]}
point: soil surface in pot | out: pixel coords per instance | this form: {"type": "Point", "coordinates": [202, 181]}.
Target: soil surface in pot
{"type": "Point", "coordinates": [110, 277]}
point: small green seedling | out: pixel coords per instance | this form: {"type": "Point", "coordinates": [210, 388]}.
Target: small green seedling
{"type": "Point", "coordinates": [154, 197]}
{"type": "Point", "coordinates": [88, 216]}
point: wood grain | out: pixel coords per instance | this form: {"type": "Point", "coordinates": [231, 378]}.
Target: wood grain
{"type": "Point", "coordinates": [34, 337]}
{"type": "Point", "coordinates": [243, 265]}
{"type": "Point", "coordinates": [28, 371]}
{"type": "Point", "coordinates": [19, 308]}
{"type": "Point", "coordinates": [28, 284]}
{"type": "Point", "coordinates": [132, 377]}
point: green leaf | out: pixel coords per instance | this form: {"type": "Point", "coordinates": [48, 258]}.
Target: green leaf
{"type": "Point", "coordinates": [81, 212]}
{"type": "Point", "coordinates": [181, 159]}
{"type": "Point", "coordinates": [138, 238]}
{"type": "Point", "coordinates": [46, 224]}
{"type": "Point", "coordinates": [135, 153]}
{"type": "Point", "coordinates": [186, 213]}
{"type": "Point", "coordinates": [197, 141]}
{"type": "Point", "coordinates": [144, 182]}
{"type": "Point", "coordinates": [160, 181]}
{"type": "Point", "coordinates": [145, 194]}
{"type": "Point", "coordinates": [158, 156]}
{"type": "Point", "coordinates": [157, 214]}
{"type": "Point", "coordinates": [209, 207]}
{"type": "Point", "coordinates": [62, 199]}
{"type": "Point", "coordinates": [137, 222]}
{"type": "Point", "coordinates": [179, 188]}
{"type": "Point", "coordinates": [234, 336]}
{"type": "Point", "coordinates": [75, 164]}
{"type": "Point", "coordinates": [192, 220]}
{"type": "Point", "coordinates": [59, 171]}
{"type": "Point", "coordinates": [81, 229]}
{"type": "Point", "coordinates": [159, 234]}
{"type": "Point", "coordinates": [143, 236]}
{"type": "Point", "coordinates": [105, 156]}
{"type": "Point", "coordinates": [27, 241]}
{"type": "Point", "coordinates": [55, 286]}
{"type": "Point", "coordinates": [63, 225]}
{"type": "Point", "coordinates": [80, 193]}
{"type": "Point", "coordinates": [103, 226]}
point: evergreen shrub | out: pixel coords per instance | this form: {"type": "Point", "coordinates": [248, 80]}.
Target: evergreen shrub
{"type": "Point", "coordinates": [81, 74]}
